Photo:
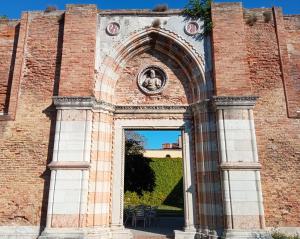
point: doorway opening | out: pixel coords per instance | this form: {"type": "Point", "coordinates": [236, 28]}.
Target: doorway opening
{"type": "Point", "coordinates": [153, 181]}
{"type": "Point", "coordinates": [185, 127]}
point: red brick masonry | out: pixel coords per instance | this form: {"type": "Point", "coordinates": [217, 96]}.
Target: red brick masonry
{"type": "Point", "coordinates": [47, 54]}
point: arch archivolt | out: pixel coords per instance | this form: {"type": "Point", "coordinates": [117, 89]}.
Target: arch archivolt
{"type": "Point", "coordinates": [166, 42]}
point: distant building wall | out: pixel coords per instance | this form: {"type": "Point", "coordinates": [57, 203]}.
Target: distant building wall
{"type": "Point", "coordinates": [163, 153]}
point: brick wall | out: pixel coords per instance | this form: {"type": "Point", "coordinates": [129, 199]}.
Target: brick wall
{"type": "Point", "coordinates": [247, 61]}
{"type": "Point", "coordinates": [26, 143]}
{"type": "Point", "coordinates": [8, 41]}
{"type": "Point", "coordinates": [277, 135]}
{"type": "Point", "coordinates": [78, 57]}
{"type": "Point", "coordinates": [266, 52]}
{"type": "Point", "coordinates": [229, 50]}
{"type": "Point", "coordinates": [128, 92]}
{"type": "Point", "coordinates": [292, 31]}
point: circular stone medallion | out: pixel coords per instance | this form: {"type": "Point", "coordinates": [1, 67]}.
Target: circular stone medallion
{"type": "Point", "coordinates": [113, 28]}
{"type": "Point", "coordinates": [152, 80]}
{"type": "Point", "coordinates": [192, 28]}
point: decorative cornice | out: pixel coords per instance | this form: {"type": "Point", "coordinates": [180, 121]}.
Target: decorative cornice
{"type": "Point", "coordinates": [73, 101]}
{"type": "Point", "coordinates": [240, 166]}
{"type": "Point", "coordinates": [102, 105]}
{"type": "Point", "coordinates": [139, 12]}
{"type": "Point", "coordinates": [92, 104]}
{"type": "Point", "coordinates": [72, 165]}
{"type": "Point", "coordinates": [220, 102]}
{"type": "Point", "coordinates": [82, 102]}
{"type": "Point", "coordinates": [155, 109]}
{"type": "Point", "coordinates": [217, 102]}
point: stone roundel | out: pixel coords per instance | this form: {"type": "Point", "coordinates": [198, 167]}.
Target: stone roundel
{"type": "Point", "coordinates": [113, 28]}
{"type": "Point", "coordinates": [192, 28]}
{"type": "Point", "coordinates": [152, 80]}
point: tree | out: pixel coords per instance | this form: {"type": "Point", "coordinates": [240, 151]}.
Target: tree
{"type": "Point", "coordinates": [3, 17]}
{"type": "Point", "coordinates": [139, 176]}
{"type": "Point", "coordinates": [134, 143]}
{"type": "Point", "coordinates": [200, 9]}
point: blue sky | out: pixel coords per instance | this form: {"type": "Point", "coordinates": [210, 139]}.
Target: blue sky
{"type": "Point", "coordinates": [13, 8]}
{"type": "Point", "coordinates": [155, 138]}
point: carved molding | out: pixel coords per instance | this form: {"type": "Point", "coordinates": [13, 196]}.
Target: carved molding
{"type": "Point", "coordinates": [82, 102]}
{"type": "Point", "coordinates": [69, 165]}
{"type": "Point", "coordinates": [102, 105]}
{"type": "Point", "coordinates": [73, 101]}
{"type": "Point", "coordinates": [173, 35]}
{"type": "Point", "coordinates": [216, 102]}
{"type": "Point", "coordinates": [240, 166]}
{"type": "Point", "coordinates": [155, 109]}
{"type": "Point", "coordinates": [92, 104]}
{"type": "Point", "coordinates": [219, 102]}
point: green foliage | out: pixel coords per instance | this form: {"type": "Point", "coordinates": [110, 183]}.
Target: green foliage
{"type": "Point", "coordinates": [50, 9]}
{"type": "Point", "coordinates": [134, 143]}
{"type": "Point", "coordinates": [251, 20]}
{"type": "Point", "coordinates": [139, 176]}
{"type": "Point", "coordinates": [168, 185]}
{"type": "Point", "coordinates": [267, 16]}
{"type": "Point", "coordinates": [156, 23]}
{"type": "Point", "coordinates": [279, 235]}
{"type": "Point", "coordinates": [200, 9]}
{"type": "Point", "coordinates": [160, 8]}
{"type": "Point", "coordinates": [3, 17]}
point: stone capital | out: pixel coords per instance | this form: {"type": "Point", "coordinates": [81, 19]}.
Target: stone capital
{"type": "Point", "coordinates": [69, 165]}
{"type": "Point", "coordinates": [73, 101]}
{"type": "Point", "coordinates": [81, 102]}
{"type": "Point", "coordinates": [225, 102]}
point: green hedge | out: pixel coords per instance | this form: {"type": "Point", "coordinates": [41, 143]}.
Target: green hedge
{"type": "Point", "coordinates": [167, 186]}
{"type": "Point", "coordinates": [279, 235]}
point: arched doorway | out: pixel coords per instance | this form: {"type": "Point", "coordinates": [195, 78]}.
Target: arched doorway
{"type": "Point", "coordinates": [161, 52]}
{"type": "Point", "coordinates": [155, 79]}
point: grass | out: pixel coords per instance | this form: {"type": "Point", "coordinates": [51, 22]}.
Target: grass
{"type": "Point", "coordinates": [169, 211]}
{"type": "Point", "coordinates": [279, 235]}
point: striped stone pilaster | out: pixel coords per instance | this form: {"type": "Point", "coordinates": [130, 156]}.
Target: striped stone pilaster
{"type": "Point", "coordinates": [240, 168]}
{"type": "Point", "coordinates": [210, 216]}
{"type": "Point", "coordinates": [67, 205]}
{"type": "Point", "coordinates": [100, 172]}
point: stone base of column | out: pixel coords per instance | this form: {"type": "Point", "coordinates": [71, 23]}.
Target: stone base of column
{"type": "Point", "coordinates": [190, 234]}
{"type": "Point", "coordinates": [75, 233]}
{"type": "Point", "coordinates": [249, 234]}
{"type": "Point", "coordinates": [121, 233]}
{"type": "Point", "coordinates": [19, 232]}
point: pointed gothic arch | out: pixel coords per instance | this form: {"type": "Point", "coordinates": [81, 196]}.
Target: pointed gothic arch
{"type": "Point", "coordinates": [166, 42]}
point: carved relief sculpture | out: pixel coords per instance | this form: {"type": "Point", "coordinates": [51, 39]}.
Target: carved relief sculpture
{"type": "Point", "coordinates": [152, 80]}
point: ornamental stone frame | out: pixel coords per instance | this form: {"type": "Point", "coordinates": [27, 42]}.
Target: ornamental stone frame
{"type": "Point", "coordinates": [89, 59]}
{"type": "Point", "coordinates": [188, 168]}
{"type": "Point", "coordinates": [239, 168]}
{"type": "Point", "coordinates": [221, 168]}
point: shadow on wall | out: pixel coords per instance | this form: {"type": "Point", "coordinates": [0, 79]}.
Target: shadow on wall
{"type": "Point", "coordinates": [50, 112]}
{"type": "Point", "coordinates": [12, 67]}
{"type": "Point", "coordinates": [175, 198]}
{"type": "Point", "coordinates": [139, 176]}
